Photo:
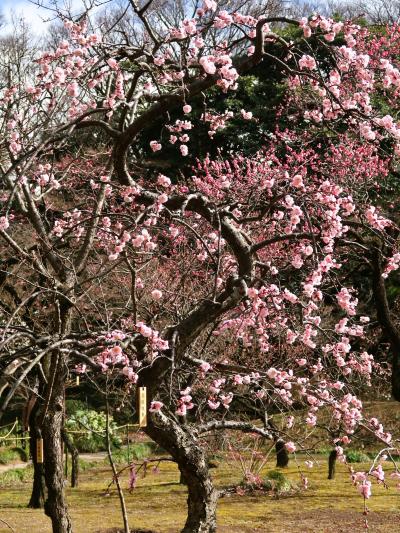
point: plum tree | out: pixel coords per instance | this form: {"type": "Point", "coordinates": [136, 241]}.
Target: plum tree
{"type": "Point", "coordinates": [208, 288]}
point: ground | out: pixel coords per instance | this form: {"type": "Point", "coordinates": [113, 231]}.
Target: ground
{"type": "Point", "coordinates": [158, 504]}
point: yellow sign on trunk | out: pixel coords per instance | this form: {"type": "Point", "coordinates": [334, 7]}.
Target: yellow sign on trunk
{"type": "Point", "coordinates": [142, 407]}
{"type": "Point", "coordinates": [39, 450]}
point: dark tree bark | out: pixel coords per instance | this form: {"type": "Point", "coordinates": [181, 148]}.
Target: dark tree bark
{"type": "Point", "coordinates": [38, 487]}
{"type": "Point", "coordinates": [386, 320]}
{"type": "Point", "coordinates": [55, 504]}
{"type": "Point", "coordinates": [192, 463]}
{"type": "Point", "coordinates": [332, 464]}
{"type": "Point", "coordinates": [282, 456]}
{"type": "Point", "coordinates": [74, 458]}
{"type": "Point", "coordinates": [52, 422]}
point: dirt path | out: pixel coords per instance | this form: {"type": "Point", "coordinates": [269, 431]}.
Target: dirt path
{"type": "Point", "coordinates": [98, 456]}
{"type": "Point", "coordinates": [12, 466]}
{"type": "Point", "coordinates": [90, 457]}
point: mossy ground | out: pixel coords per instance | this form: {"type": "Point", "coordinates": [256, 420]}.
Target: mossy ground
{"type": "Point", "coordinates": [158, 504]}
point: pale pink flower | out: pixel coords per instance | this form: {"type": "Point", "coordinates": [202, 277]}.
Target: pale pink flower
{"type": "Point", "coordinates": [112, 63]}
{"type": "Point", "coordinates": [205, 367]}
{"type": "Point", "coordinates": [208, 65]}
{"type": "Point", "coordinates": [164, 181]}
{"type": "Point", "coordinates": [290, 446]}
{"type": "Point", "coordinates": [130, 374]}
{"type": "Point", "coordinates": [182, 409]}
{"type": "Point", "coordinates": [159, 61]}
{"type": "Point", "coordinates": [213, 405]}
{"type": "Point", "coordinates": [73, 89]}
{"type": "Point", "coordinates": [116, 351]}
{"type": "Point", "coordinates": [297, 181]}
{"type": "Point", "coordinates": [272, 372]}
{"type": "Point", "coordinates": [378, 473]}
{"type": "Point", "coordinates": [156, 294]}
{"type": "Point", "coordinates": [247, 115]}
{"type": "Point", "coordinates": [365, 489]}
{"type": "Point", "coordinates": [210, 5]}
{"type": "Point", "coordinates": [359, 476]}
{"type": "Point", "coordinates": [308, 62]}
{"type": "Point", "coordinates": [4, 223]}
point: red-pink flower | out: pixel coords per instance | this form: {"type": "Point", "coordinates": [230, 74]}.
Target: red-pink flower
{"type": "Point", "coordinates": [155, 146]}
{"type": "Point", "coordinates": [155, 406]}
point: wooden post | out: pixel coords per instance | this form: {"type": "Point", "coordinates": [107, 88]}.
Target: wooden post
{"type": "Point", "coordinates": [128, 443]}
{"type": "Point", "coordinates": [39, 451]}
{"type": "Point", "coordinates": [66, 463]}
{"type": "Point", "coordinates": [142, 407]}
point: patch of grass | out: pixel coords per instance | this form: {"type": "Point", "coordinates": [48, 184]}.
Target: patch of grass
{"type": "Point", "coordinates": [323, 451]}
{"type": "Point", "coordinates": [357, 456]}
{"type": "Point", "coordinates": [16, 476]}
{"type": "Point", "coordinates": [159, 503]}
{"type": "Point", "coordinates": [10, 455]}
{"type": "Point", "coordinates": [87, 465]}
{"type": "Point", "coordinates": [136, 452]}
{"type": "Point", "coordinates": [279, 482]}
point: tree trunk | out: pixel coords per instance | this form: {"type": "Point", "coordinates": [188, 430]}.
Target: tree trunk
{"type": "Point", "coordinates": [386, 320]}
{"type": "Point", "coordinates": [282, 456]}
{"type": "Point", "coordinates": [202, 497]}
{"type": "Point", "coordinates": [38, 487]}
{"type": "Point", "coordinates": [52, 423]}
{"type": "Point", "coordinates": [332, 464]}
{"type": "Point", "coordinates": [192, 463]}
{"type": "Point", "coordinates": [74, 458]}
{"type": "Point", "coordinates": [55, 505]}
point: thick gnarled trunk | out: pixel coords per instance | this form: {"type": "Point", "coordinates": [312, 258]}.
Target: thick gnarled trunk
{"type": "Point", "coordinates": [192, 463]}
{"type": "Point", "coordinates": [202, 501]}
{"type": "Point", "coordinates": [55, 505]}
{"type": "Point", "coordinates": [38, 487]}
{"type": "Point", "coordinates": [52, 425]}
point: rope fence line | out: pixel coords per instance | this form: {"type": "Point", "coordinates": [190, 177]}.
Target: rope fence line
{"type": "Point", "coordinates": [11, 430]}
{"type": "Point", "coordinates": [87, 432]}
{"type": "Point", "coordinates": [9, 424]}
